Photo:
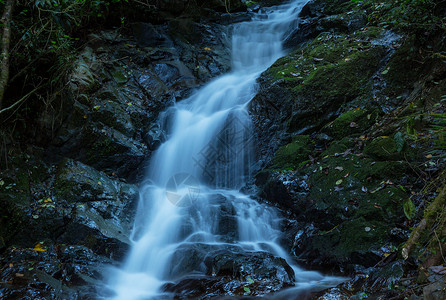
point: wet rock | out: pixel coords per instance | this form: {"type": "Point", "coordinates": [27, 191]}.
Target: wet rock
{"type": "Point", "coordinates": [351, 122]}
{"type": "Point", "coordinates": [292, 96]}
{"type": "Point", "coordinates": [108, 149]}
{"type": "Point", "coordinates": [228, 270]}
{"type": "Point", "coordinates": [435, 291]}
{"type": "Point", "coordinates": [77, 182]}
{"type": "Point", "coordinates": [147, 36]}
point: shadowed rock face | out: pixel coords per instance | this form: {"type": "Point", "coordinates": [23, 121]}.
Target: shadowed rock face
{"type": "Point", "coordinates": [67, 208]}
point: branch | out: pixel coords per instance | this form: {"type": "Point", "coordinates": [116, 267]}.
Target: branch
{"type": "Point", "coordinates": [4, 56]}
{"type": "Point", "coordinates": [22, 99]}
{"type": "Point", "coordinates": [430, 215]}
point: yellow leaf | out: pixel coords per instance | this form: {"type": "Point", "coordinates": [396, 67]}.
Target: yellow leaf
{"type": "Point", "coordinates": [96, 107]}
{"type": "Point", "coordinates": [100, 183]}
{"type": "Point", "coordinates": [429, 156]}
{"type": "Point", "coordinates": [207, 49]}
{"type": "Point", "coordinates": [39, 247]}
{"type": "Point", "coordinates": [47, 200]}
{"type": "Point", "coordinates": [339, 182]}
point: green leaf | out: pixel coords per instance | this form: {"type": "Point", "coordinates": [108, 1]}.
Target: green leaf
{"type": "Point", "coordinates": [247, 289]}
{"type": "Point", "coordinates": [409, 209]}
{"type": "Point", "coordinates": [399, 141]}
{"type": "Point", "coordinates": [249, 279]}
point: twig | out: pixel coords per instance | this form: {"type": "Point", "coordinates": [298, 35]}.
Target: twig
{"type": "Point", "coordinates": [439, 244]}
{"type": "Point", "coordinates": [22, 99]}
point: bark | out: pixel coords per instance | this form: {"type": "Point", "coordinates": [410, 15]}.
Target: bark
{"type": "Point", "coordinates": [430, 215]}
{"type": "Point", "coordinates": [4, 55]}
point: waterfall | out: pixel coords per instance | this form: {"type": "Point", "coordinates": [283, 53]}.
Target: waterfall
{"type": "Point", "coordinates": [192, 192]}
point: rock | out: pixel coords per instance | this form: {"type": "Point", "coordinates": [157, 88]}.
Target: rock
{"type": "Point", "coordinates": [351, 122]}
{"type": "Point", "coordinates": [435, 291]}
{"type": "Point", "coordinates": [293, 154]}
{"type": "Point", "coordinates": [292, 96]}
{"type": "Point", "coordinates": [82, 78]}
{"type": "Point", "coordinates": [386, 148]}
{"type": "Point", "coordinates": [147, 36]}
{"type": "Point", "coordinates": [228, 269]}
{"type": "Point", "coordinates": [76, 182]}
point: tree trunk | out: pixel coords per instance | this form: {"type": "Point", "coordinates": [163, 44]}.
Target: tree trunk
{"type": "Point", "coordinates": [4, 55]}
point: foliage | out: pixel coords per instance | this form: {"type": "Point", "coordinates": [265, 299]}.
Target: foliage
{"type": "Point", "coordinates": [406, 14]}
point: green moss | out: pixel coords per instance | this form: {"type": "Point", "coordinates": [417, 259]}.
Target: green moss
{"type": "Point", "coordinates": [344, 80]}
{"type": "Point", "coordinates": [293, 154]}
{"type": "Point", "coordinates": [347, 123]}
{"type": "Point", "coordinates": [386, 148]}
{"type": "Point", "coordinates": [331, 7]}
{"type": "Point", "coordinates": [338, 147]}
{"type": "Point", "coordinates": [402, 69]}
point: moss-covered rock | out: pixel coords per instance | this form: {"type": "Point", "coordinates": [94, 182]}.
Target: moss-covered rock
{"type": "Point", "coordinates": [390, 148]}
{"type": "Point", "coordinates": [77, 182]}
{"type": "Point", "coordinates": [351, 122]}
{"type": "Point", "coordinates": [292, 155]}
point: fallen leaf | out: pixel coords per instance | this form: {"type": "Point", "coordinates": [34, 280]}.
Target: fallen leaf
{"type": "Point", "coordinates": [339, 168]}
{"type": "Point", "coordinates": [354, 125]}
{"type": "Point", "coordinates": [364, 189]}
{"type": "Point", "coordinates": [19, 275]}
{"type": "Point", "coordinates": [367, 229]}
{"type": "Point", "coordinates": [39, 247]}
{"type": "Point", "coordinates": [207, 49]}
{"type": "Point", "coordinates": [339, 182]}
{"type": "Point", "coordinates": [429, 156]}
{"type": "Point", "coordinates": [47, 200]}
{"type": "Point", "coordinates": [96, 107]}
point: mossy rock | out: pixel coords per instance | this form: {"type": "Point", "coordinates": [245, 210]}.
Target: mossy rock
{"type": "Point", "coordinates": [338, 147]}
{"type": "Point", "coordinates": [292, 155]}
{"type": "Point", "coordinates": [332, 71]}
{"type": "Point", "coordinates": [350, 185]}
{"type": "Point", "coordinates": [351, 122]}
{"type": "Point", "coordinates": [113, 115]}
{"type": "Point", "coordinates": [403, 68]}
{"type": "Point", "coordinates": [76, 182]}
{"type": "Point", "coordinates": [108, 149]}
{"type": "Point", "coordinates": [389, 148]}
{"type": "Point", "coordinates": [331, 7]}
{"type": "Point", "coordinates": [350, 239]}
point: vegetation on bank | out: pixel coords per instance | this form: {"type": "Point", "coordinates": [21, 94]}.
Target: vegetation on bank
{"type": "Point", "coordinates": [369, 173]}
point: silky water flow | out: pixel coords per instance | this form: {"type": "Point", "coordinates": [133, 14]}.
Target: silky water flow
{"type": "Point", "coordinates": [191, 197]}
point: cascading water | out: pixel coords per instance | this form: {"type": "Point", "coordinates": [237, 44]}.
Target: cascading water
{"type": "Point", "coordinates": [191, 199]}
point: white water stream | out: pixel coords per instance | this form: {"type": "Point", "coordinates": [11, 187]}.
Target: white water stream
{"type": "Point", "coordinates": [195, 175]}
